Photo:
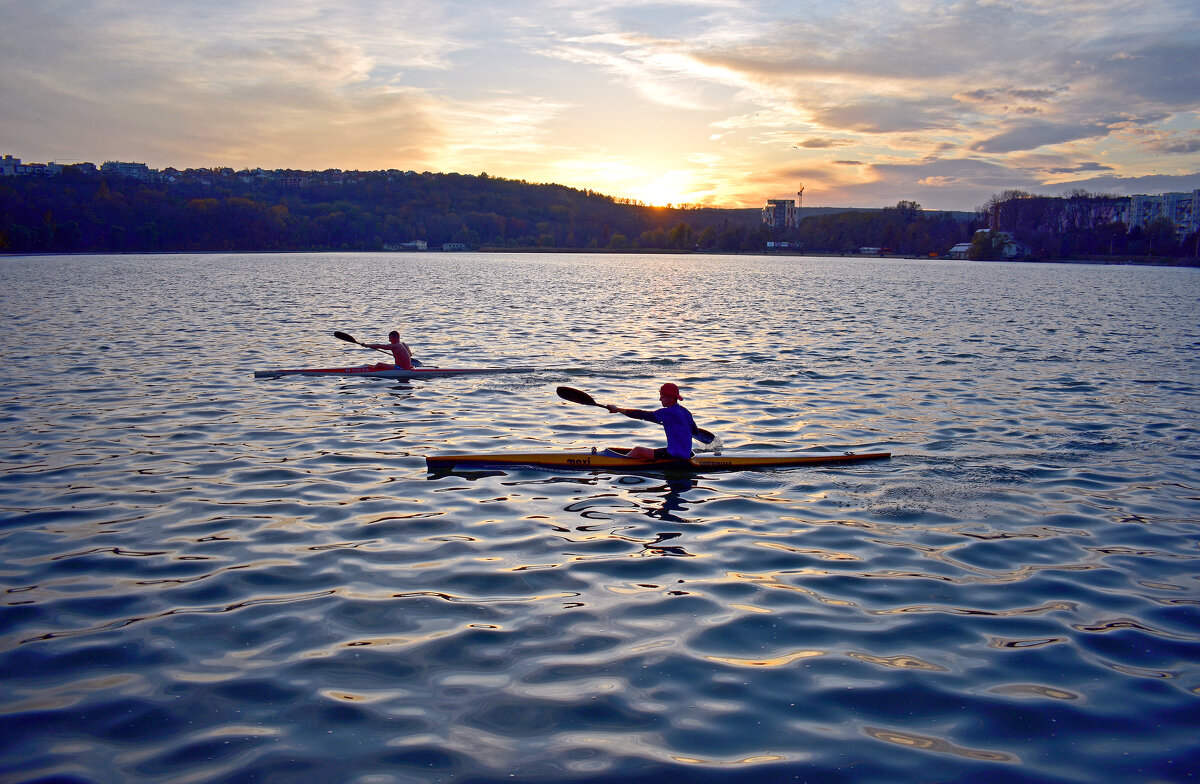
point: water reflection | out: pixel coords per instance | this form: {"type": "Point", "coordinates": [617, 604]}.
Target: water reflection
{"type": "Point", "coordinates": [672, 500]}
{"type": "Point", "coordinates": [656, 546]}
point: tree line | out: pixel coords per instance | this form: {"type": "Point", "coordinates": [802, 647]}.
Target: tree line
{"type": "Point", "coordinates": [82, 210]}
{"type": "Point", "coordinates": [1080, 225]}
{"type": "Point", "coordinates": [904, 229]}
{"type": "Point", "coordinates": [220, 210]}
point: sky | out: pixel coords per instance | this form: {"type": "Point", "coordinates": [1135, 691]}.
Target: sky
{"type": "Point", "coordinates": [723, 103]}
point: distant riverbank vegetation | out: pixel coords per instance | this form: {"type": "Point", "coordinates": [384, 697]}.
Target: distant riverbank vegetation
{"type": "Point", "coordinates": [1081, 225]}
{"type": "Point", "coordinates": [206, 210]}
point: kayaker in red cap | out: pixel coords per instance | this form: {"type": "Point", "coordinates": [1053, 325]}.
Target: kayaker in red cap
{"type": "Point", "coordinates": [400, 351]}
{"type": "Point", "coordinates": [676, 420]}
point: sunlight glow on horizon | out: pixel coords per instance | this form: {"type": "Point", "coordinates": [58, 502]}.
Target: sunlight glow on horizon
{"type": "Point", "coordinates": [674, 188]}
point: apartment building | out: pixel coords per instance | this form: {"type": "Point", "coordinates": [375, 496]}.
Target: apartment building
{"type": "Point", "coordinates": [781, 214]}
{"type": "Point", "coordinates": [138, 171]}
{"type": "Point", "coordinates": [1182, 209]}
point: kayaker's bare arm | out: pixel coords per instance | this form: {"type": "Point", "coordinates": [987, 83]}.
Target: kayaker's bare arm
{"type": "Point", "coordinates": [632, 413]}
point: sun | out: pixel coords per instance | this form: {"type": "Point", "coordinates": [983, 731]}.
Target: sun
{"type": "Point", "coordinates": [636, 180]}
{"type": "Point", "coordinates": [671, 188]}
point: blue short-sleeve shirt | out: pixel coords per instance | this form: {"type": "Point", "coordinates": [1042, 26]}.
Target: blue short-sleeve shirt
{"type": "Point", "coordinates": [679, 425]}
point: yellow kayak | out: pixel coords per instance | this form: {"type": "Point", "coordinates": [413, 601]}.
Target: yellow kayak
{"type": "Point", "coordinates": [615, 459]}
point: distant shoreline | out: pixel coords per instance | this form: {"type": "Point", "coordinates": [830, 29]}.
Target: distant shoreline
{"type": "Point", "coordinates": [1127, 261]}
{"type": "Point", "coordinates": [1123, 260]}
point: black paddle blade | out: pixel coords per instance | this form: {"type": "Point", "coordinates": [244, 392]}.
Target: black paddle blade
{"type": "Point", "coordinates": [577, 396]}
{"type": "Point", "coordinates": [345, 337]}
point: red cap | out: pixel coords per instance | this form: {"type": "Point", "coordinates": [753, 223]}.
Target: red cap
{"type": "Point", "coordinates": [671, 391]}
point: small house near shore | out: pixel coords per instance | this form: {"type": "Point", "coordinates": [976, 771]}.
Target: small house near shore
{"type": "Point", "coordinates": [1008, 247]}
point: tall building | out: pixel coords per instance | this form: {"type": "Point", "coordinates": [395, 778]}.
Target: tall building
{"type": "Point", "coordinates": [783, 213]}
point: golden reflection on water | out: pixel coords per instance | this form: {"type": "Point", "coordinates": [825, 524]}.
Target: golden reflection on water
{"type": "Point", "coordinates": [928, 743]}
{"type": "Point", "coordinates": [409, 640]}
{"type": "Point", "coordinates": [901, 661]}
{"type": "Point", "coordinates": [1036, 642]}
{"type": "Point", "coordinates": [1143, 671]}
{"type": "Point", "coordinates": [1034, 690]}
{"type": "Point", "coordinates": [772, 580]}
{"type": "Point", "coordinates": [930, 608]}
{"type": "Point", "coordinates": [489, 599]}
{"type": "Point", "coordinates": [532, 567]}
{"type": "Point", "coordinates": [825, 555]}
{"type": "Point", "coordinates": [777, 661]}
{"type": "Point", "coordinates": [348, 697]}
{"type": "Point", "coordinates": [757, 759]}
{"type": "Point", "coordinates": [67, 696]}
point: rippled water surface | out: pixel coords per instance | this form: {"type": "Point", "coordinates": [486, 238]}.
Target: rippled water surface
{"type": "Point", "coordinates": [209, 577]}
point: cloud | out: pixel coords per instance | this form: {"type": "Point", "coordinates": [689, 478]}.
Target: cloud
{"type": "Point", "coordinates": [1086, 166]}
{"type": "Point", "coordinates": [1032, 135]}
{"type": "Point", "coordinates": [823, 143]}
{"type": "Point", "coordinates": [1008, 95]}
{"type": "Point", "coordinates": [1159, 73]}
{"type": "Point", "coordinates": [957, 183]}
{"type": "Point", "coordinates": [1129, 186]}
{"type": "Point", "coordinates": [1169, 142]}
{"type": "Point", "coordinates": [659, 71]}
{"type": "Point", "coordinates": [1181, 146]}
{"type": "Point", "coordinates": [886, 116]}
{"type": "Point", "coordinates": [106, 82]}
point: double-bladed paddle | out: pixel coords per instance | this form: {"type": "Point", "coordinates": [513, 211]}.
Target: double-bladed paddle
{"type": "Point", "coordinates": [584, 399]}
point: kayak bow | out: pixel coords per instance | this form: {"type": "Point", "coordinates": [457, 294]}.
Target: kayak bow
{"type": "Point", "coordinates": [614, 458]}
{"type": "Point", "coordinates": [385, 370]}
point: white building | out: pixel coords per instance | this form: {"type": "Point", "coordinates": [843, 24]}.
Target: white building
{"type": "Point", "coordinates": [1011, 249]}
{"type": "Point", "coordinates": [1182, 209]}
{"type": "Point", "coordinates": [138, 171]}
{"type": "Point", "coordinates": [960, 251]}
{"type": "Point", "coordinates": [12, 167]}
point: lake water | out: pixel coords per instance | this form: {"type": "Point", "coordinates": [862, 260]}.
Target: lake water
{"type": "Point", "coordinates": [209, 577]}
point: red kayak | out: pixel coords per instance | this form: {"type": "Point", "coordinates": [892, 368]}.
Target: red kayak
{"type": "Point", "coordinates": [387, 370]}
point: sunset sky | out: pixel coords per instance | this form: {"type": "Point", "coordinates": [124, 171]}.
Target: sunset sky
{"type": "Point", "coordinates": [720, 102]}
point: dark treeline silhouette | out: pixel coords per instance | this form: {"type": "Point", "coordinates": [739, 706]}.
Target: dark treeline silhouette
{"type": "Point", "coordinates": [81, 210]}
{"type": "Point", "coordinates": [226, 211]}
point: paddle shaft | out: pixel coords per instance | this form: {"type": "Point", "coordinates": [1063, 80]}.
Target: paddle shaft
{"type": "Point", "coordinates": [584, 399]}
{"type": "Point", "coordinates": [350, 339]}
